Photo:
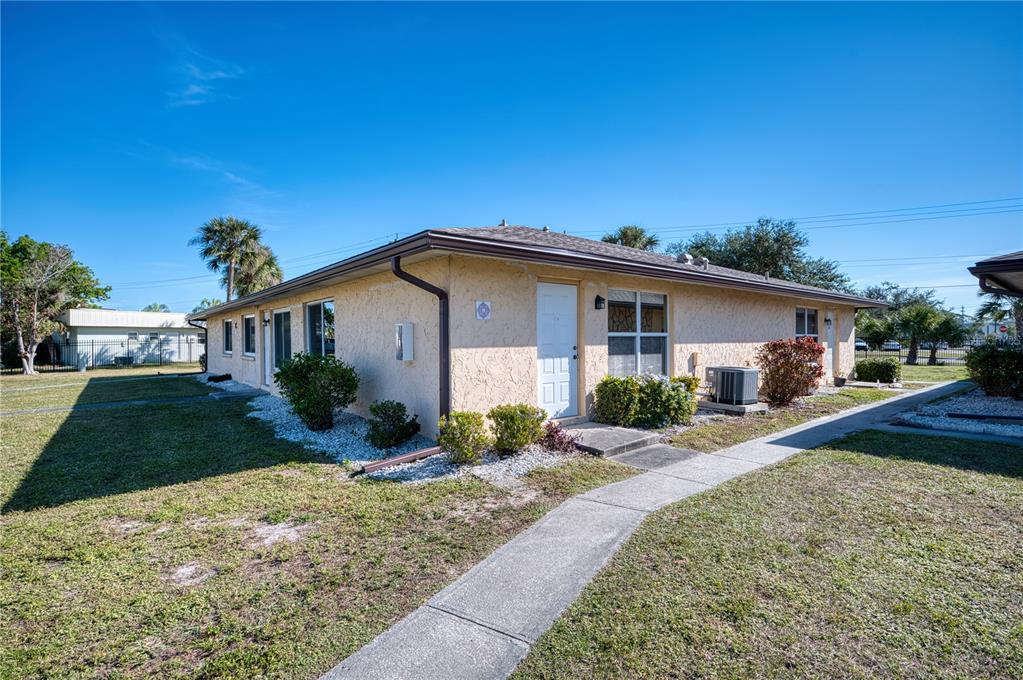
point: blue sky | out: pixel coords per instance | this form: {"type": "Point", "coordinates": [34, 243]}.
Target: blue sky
{"type": "Point", "coordinates": [337, 126]}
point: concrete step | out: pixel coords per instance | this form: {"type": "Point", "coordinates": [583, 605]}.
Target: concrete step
{"type": "Point", "coordinates": [654, 456]}
{"type": "Point", "coordinates": [608, 440]}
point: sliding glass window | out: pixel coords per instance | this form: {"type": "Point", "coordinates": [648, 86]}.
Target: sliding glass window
{"type": "Point", "coordinates": [320, 327]}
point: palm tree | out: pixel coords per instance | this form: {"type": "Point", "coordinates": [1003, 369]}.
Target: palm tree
{"type": "Point", "coordinates": [917, 323]}
{"type": "Point", "coordinates": [1001, 308]}
{"type": "Point", "coordinates": [257, 269]}
{"type": "Point", "coordinates": [951, 329]}
{"type": "Point", "coordinates": [156, 307]}
{"type": "Point", "coordinates": [632, 236]}
{"type": "Point", "coordinates": [222, 242]}
{"type": "Point", "coordinates": [875, 329]}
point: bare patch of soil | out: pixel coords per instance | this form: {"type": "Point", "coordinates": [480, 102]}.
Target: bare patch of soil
{"type": "Point", "coordinates": [266, 535]}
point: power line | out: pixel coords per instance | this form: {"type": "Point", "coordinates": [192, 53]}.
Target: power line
{"type": "Point", "coordinates": [919, 217]}
{"type": "Point", "coordinates": [805, 218]}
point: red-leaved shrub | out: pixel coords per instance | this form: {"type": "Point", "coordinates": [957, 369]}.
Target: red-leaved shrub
{"type": "Point", "coordinates": [789, 369]}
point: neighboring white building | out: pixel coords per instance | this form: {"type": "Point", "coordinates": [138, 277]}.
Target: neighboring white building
{"type": "Point", "coordinates": [102, 337]}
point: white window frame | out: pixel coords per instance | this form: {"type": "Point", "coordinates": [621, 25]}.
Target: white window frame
{"type": "Point", "coordinates": [273, 337]}
{"type": "Point", "coordinates": [228, 332]}
{"type": "Point", "coordinates": [245, 352]}
{"type": "Point", "coordinates": [307, 327]}
{"type": "Point", "coordinates": [154, 336]}
{"type": "Point", "coordinates": [133, 333]}
{"type": "Point", "coordinates": [639, 334]}
{"type": "Point", "coordinates": [817, 315]}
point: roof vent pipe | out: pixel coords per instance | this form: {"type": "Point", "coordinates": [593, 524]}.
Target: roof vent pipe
{"type": "Point", "coordinates": [504, 223]}
{"type": "Point", "coordinates": [684, 258]}
{"type": "Point", "coordinates": [701, 262]}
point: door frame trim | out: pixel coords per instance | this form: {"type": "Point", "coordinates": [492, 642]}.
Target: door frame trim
{"type": "Point", "coordinates": [580, 383]}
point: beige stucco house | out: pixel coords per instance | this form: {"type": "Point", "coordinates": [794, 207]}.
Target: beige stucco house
{"type": "Point", "coordinates": [465, 319]}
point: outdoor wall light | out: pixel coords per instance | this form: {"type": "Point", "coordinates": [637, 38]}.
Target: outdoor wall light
{"type": "Point", "coordinates": [598, 303]}
{"type": "Point", "coordinates": [827, 321]}
{"type": "Point", "coordinates": [266, 321]}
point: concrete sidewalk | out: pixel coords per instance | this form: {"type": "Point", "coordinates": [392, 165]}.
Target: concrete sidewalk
{"type": "Point", "coordinates": [483, 624]}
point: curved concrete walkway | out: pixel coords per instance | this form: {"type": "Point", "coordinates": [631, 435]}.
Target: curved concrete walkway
{"type": "Point", "coordinates": [483, 624]}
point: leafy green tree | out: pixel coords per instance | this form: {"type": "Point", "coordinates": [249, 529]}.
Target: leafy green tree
{"type": "Point", "coordinates": [1002, 308]}
{"type": "Point", "coordinates": [770, 247]}
{"type": "Point", "coordinates": [39, 282]}
{"type": "Point", "coordinates": [632, 236]}
{"type": "Point", "coordinates": [898, 297]}
{"type": "Point", "coordinates": [223, 241]}
{"type": "Point", "coordinates": [205, 304]}
{"type": "Point", "coordinates": [917, 323]}
{"type": "Point", "coordinates": [156, 307]}
{"type": "Point", "coordinates": [257, 269]}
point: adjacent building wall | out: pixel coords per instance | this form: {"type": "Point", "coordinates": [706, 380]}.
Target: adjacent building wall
{"type": "Point", "coordinates": [365, 313]}
{"type": "Point", "coordinates": [495, 361]}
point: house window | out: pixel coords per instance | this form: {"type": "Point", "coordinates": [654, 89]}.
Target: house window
{"type": "Point", "coordinates": [133, 335]}
{"type": "Point", "coordinates": [249, 335]}
{"type": "Point", "coordinates": [806, 322]}
{"type": "Point", "coordinates": [637, 333]}
{"type": "Point", "coordinates": [282, 337]}
{"type": "Point", "coordinates": [154, 336]}
{"type": "Point", "coordinates": [320, 325]}
{"type": "Point", "coordinates": [228, 336]}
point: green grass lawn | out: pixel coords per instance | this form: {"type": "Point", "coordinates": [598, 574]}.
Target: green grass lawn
{"type": "Point", "coordinates": [733, 430]}
{"type": "Point", "coordinates": [924, 373]}
{"type": "Point", "coordinates": [186, 541]}
{"type": "Point", "coordinates": [94, 389]}
{"type": "Point", "coordinates": [880, 556]}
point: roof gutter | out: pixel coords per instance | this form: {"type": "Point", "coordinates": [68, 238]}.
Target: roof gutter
{"type": "Point", "coordinates": [444, 349]}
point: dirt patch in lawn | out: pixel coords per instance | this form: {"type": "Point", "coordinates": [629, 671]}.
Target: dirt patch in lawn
{"type": "Point", "coordinates": [266, 535]}
{"type": "Point", "coordinates": [189, 574]}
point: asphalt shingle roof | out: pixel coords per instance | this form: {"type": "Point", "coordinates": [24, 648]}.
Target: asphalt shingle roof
{"type": "Point", "coordinates": [531, 236]}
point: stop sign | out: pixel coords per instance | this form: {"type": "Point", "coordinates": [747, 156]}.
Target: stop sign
{"type": "Point", "coordinates": [1003, 329]}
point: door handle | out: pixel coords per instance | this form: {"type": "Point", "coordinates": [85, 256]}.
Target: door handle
{"type": "Point", "coordinates": [574, 356]}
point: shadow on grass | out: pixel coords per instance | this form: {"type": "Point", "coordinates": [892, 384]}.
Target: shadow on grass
{"type": "Point", "coordinates": [1008, 461]}
{"type": "Point", "coordinates": [96, 453]}
{"type": "Point", "coordinates": [996, 458]}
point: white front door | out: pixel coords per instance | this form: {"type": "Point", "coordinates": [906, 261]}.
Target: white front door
{"type": "Point", "coordinates": [556, 347]}
{"type": "Point", "coordinates": [268, 349]}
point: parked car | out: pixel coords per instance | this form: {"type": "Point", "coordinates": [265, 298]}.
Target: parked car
{"type": "Point", "coordinates": [891, 346]}
{"type": "Point", "coordinates": [861, 345]}
{"type": "Point", "coordinates": [938, 345]}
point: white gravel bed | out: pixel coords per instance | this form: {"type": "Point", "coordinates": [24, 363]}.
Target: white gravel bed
{"type": "Point", "coordinates": [494, 468]}
{"type": "Point", "coordinates": [935, 416]}
{"type": "Point", "coordinates": [346, 441]}
{"type": "Point", "coordinates": [226, 385]}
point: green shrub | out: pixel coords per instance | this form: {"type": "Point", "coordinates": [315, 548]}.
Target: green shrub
{"type": "Point", "coordinates": [315, 385]}
{"type": "Point", "coordinates": [886, 370]}
{"type": "Point", "coordinates": [202, 362]}
{"type": "Point", "coordinates": [516, 426]}
{"type": "Point", "coordinates": [616, 400]}
{"type": "Point", "coordinates": [463, 435]}
{"type": "Point", "coordinates": [691, 382]}
{"type": "Point", "coordinates": [789, 368]}
{"type": "Point", "coordinates": [997, 369]}
{"type": "Point", "coordinates": [390, 424]}
{"type": "Point", "coordinates": [645, 401]}
{"type": "Point", "coordinates": [662, 402]}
